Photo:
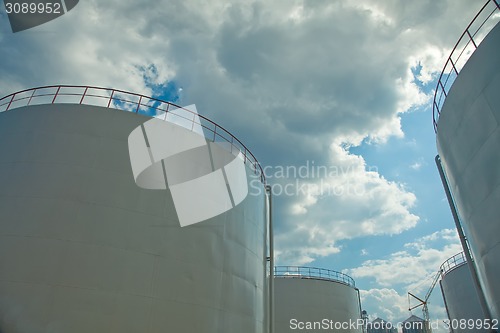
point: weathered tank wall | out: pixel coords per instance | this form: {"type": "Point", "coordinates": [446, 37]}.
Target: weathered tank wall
{"type": "Point", "coordinates": [468, 141]}
{"type": "Point", "coordinates": [306, 300]}
{"type": "Point", "coordinates": [84, 249]}
{"type": "Point", "coordinates": [460, 297]}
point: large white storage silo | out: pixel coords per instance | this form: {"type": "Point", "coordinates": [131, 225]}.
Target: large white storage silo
{"type": "Point", "coordinates": [311, 299]}
{"type": "Point", "coordinates": [468, 140]}
{"type": "Point", "coordinates": [460, 296]}
{"type": "Point", "coordinates": [87, 245]}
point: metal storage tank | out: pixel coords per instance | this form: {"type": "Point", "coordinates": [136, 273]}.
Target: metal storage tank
{"type": "Point", "coordinates": [460, 296]}
{"type": "Point", "coordinates": [315, 300]}
{"type": "Point", "coordinates": [466, 120]}
{"type": "Point", "coordinates": [91, 235]}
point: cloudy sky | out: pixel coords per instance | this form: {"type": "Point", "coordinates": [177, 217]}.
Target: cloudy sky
{"type": "Point", "coordinates": [333, 97]}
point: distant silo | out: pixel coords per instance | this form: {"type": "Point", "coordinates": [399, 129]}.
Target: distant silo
{"type": "Point", "coordinates": [460, 296]}
{"type": "Point", "coordinates": [467, 124]}
{"type": "Point", "coordinates": [106, 226]}
{"type": "Point", "coordinates": [315, 300]}
{"type": "Point", "coordinates": [415, 324]}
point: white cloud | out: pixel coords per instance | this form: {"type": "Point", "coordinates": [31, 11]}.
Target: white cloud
{"type": "Point", "coordinates": [392, 306]}
{"type": "Point", "coordinates": [417, 165]}
{"type": "Point", "coordinates": [386, 303]}
{"type": "Point", "coordinates": [419, 261]}
{"type": "Point", "coordinates": [350, 200]}
{"type": "Point", "coordinates": [412, 269]}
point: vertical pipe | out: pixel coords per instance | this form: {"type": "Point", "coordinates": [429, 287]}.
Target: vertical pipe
{"type": "Point", "coordinates": [463, 240]}
{"type": "Point", "coordinates": [267, 271]}
{"type": "Point", "coordinates": [361, 311]}
{"type": "Point", "coordinates": [271, 259]}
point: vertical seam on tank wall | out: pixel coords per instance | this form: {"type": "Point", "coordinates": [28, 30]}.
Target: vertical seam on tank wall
{"type": "Point", "coordinates": [228, 187]}
{"type": "Point", "coordinates": [491, 247]}
{"type": "Point", "coordinates": [498, 184]}
{"type": "Point", "coordinates": [164, 169]}
{"type": "Point", "coordinates": [226, 182]}
{"type": "Point", "coordinates": [150, 152]}
{"type": "Point", "coordinates": [211, 157]}
{"type": "Point", "coordinates": [488, 102]}
{"type": "Point", "coordinates": [473, 155]}
{"type": "Point", "coordinates": [152, 298]}
{"type": "Point", "coordinates": [467, 165]}
{"type": "Point", "coordinates": [221, 313]}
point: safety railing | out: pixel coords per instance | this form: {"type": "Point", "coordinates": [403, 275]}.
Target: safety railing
{"type": "Point", "coordinates": [484, 21]}
{"type": "Point", "coordinates": [456, 261]}
{"type": "Point", "coordinates": [136, 103]}
{"type": "Point", "coordinates": [313, 273]}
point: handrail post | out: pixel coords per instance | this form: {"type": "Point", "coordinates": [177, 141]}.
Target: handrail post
{"type": "Point", "coordinates": [138, 104]}
{"type": "Point", "coordinates": [111, 97]}
{"type": "Point", "coordinates": [269, 195]}
{"type": "Point", "coordinates": [471, 39]}
{"type": "Point", "coordinates": [32, 94]}
{"type": "Point", "coordinates": [166, 112]}
{"type": "Point", "coordinates": [55, 96]}
{"type": "Point", "coordinates": [454, 68]}
{"type": "Point", "coordinates": [11, 100]}
{"type": "Point", "coordinates": [84, 93]}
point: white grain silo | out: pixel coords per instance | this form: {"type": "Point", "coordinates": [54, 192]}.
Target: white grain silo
{"type": "Point", "coordinates": [95, 229]}
{"type": "Point", "coordinates": [467, 124]}
{"type": "Point", "coordinates": [315, 300]}
{"type": "Point", "coordinates": [460, 296]}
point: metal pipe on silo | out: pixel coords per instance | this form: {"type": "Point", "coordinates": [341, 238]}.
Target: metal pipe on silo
{"type": "Point", "coordinates": [463, 239]}
{"type": "Point", "coordinates": [271, 258]}
{"type": "Point", "coordinates": [360, 309]}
